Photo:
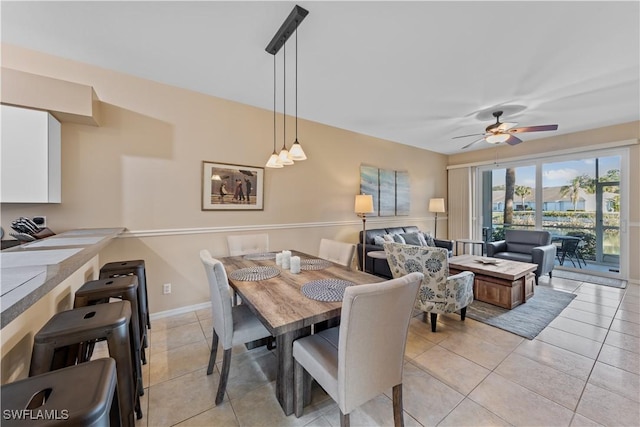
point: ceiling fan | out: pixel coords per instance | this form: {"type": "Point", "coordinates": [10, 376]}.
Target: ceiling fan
{"type": "Point", "coordinates": [499, 132]}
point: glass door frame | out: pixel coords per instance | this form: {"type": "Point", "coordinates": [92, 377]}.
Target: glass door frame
{"type": "Point", "coordinates": [623, 152]}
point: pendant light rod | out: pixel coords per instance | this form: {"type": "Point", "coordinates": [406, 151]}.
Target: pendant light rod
{"type": "Point", "coordinates": [286, 29]}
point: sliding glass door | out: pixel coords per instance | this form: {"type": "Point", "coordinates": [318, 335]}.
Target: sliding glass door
{"type": "Point", "coordinates": [577, 199]}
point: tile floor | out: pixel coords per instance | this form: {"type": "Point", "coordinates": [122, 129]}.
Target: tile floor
{"type": "Point", "coordinates": [582, 370]}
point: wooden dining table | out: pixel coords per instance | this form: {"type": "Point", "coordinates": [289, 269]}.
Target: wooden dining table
{"type": "Point", "coordinates": [285, 311]}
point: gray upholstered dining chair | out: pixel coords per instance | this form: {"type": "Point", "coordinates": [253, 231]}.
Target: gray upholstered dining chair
{"type": "Point", "coordinates": [231, 325]}
{"type": "Point", "coordinates": [243, 244]}
{"type": "Point", "coordinates": [338, 252]}
{"type": "Point", "coordinates": [364, 356]}
{"type": "Point", "coordinates": [439, 292]}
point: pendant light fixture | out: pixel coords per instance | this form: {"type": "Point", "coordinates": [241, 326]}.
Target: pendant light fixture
{"type": "Point", "coordinates": [274, 160]}
{"type": "Point", "coordinates": [288, 27]}
{"type": "Point", "coordinates": [284, 157]}
{"type": "Point", "coordinates": [296, 152]}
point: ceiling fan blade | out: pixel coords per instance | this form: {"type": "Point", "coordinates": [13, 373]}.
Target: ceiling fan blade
{"type": "Point", "coordinates": [534, 128]}
{"type": "Point", "coordinates": [513, 140]}
{"type": "Point", "coordinates": [469, 145]}
{"type": "Point", "coordinates": [465, 136]}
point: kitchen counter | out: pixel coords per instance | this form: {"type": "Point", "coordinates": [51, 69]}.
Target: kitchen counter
{"type": "Point", "coordinates": [30, 271]}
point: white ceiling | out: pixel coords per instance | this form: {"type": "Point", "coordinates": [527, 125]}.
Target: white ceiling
{"type": "Point", "coordinates": [417, 73]}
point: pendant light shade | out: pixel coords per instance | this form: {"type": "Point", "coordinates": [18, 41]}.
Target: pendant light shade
{"type": "Point", "coordinates": [297, 153]}
{"type": "Point", "coordinates": [274, 161]}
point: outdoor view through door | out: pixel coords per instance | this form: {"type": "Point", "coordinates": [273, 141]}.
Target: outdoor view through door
{"type": "Point", "coordinates": [578, 201]}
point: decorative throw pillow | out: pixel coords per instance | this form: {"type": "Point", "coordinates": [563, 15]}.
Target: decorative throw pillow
{"type": "Point", "coordinates": [398, 238]}
{"type": "Point", "coordinates": [412, 239]}
{"type": "Point", "coordinates": [388, 238]}
{"type": "Point", "coordinates": [379, 240]}
{"type": "Point", "coordinates": [423, 241]}
{"type": "Point", "coordinates": [429, 238]}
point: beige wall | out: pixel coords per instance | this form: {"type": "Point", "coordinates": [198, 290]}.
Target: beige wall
{"type": "Point", "coordinates": [141, 169]}
{"type": "Point", "coordinates": [587, 140]}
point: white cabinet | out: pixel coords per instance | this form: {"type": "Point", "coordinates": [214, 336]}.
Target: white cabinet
{"type": "Point", "coordinates": [30, 156]}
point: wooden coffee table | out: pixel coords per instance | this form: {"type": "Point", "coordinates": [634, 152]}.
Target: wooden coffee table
{"type": "Point", "coordinates": [506, 284]}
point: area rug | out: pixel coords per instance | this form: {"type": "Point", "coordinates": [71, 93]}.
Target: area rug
{"type": "Point", "coordinates": [526, 320]}
{"type": "Point", "coordinates": [582, 277]}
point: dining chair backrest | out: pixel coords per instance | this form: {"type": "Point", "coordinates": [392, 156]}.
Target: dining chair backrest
{"type": "Point", "coordinates": [338, 252]}
{"type": "Point", "coordinates": [220, 297]}
{"type": "Point", "coordinates": [373, 334]}
{"type": "Point", "coordinates": [247, 244]}
{"type": "Point", "coordinates": [570, 245]}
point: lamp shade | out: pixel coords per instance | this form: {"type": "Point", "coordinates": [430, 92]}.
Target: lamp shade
{"type": "Point", "coordinates": [436, 205]}
{"type": "Point", "coordinates": [364, 204]}
{"type": "Point", "coordinates": [296, 152]}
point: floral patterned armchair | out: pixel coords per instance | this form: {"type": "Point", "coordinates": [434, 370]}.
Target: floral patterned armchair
{"type": "Point", "coordinates": [438, 292]}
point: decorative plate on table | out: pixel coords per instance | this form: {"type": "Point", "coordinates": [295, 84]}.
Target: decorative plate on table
{"type": "Point", "coordinates": [314, 264]}
{"type": "Point", "coordinates": [326, 290]}
{"type": "Point", "coordinates": [253, 274]}
{"type": "Point", "coordinates": [485, 260]}
{"type": "Point", "coordinates": [260, 256]}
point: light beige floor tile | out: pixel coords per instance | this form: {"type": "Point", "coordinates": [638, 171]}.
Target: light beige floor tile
{"type": "Point", "coordinates": [633, 289]}
{"type": "Point", "coordinates": [559, 283]}
{"type": "Point", "coordinates": [144, 405]}
{"type": "Point", "coordinates": [586, 317]}
{"type": "Point", "coordinates": [470, 414]}
{"type": "Point", "coordinates": [558, 358]}
{"type": "Point", "coordinates": [221, 415]}
{"type": "Point", "coordinates": [181, 398]}
{"type": "Point", "coordinates": [606, 291]}
{"type": "Point", "coordinates": [624, 341]}
{"type": "Point", "coordinates": [593, 308]}
{"type": "Point", "coordinates": [571, 342]}
{"type": "Point", "coordinates": [625, 327]}
{"type": "Point", "coordinates": [173, 321]}
{"type": "Point", "coordinates": [455, 371]}
{"type": "Point", "coordinates": [259, 407]}
{"type": "Point", "coordinates": [501, 338]}
{"type": "Point", "coordinates": [321, 421]}
{"type": "Point", "coordinates": [628, 316]}
{"type": "Point", "coordinates": [443, 331]}
{"type": "Point", "coordinates": [178, 361]}
{"type": "Point", "coordinates": [426, 398]}
{"type": "Point", "coordinates": [551, 383]}
{"type": "Point", "coordinates": [475, 349]}
{"type": "Point", "coordinates": [631, 306]}
{"type": "Point", "coordinates": [579, 328]}
{"type": "Point", "coordinates": [207, 328]}
{"type": "Point", "coordinates": [616, 380]}
{"type": "Point", "coordinates": [416, 345]}
{"type": "Point", "coordinates": [204, 313]}
{"type": "Point", "coordinates": [249, 370]}
{"type": "Point", "coordinates": [608, 408]}
{"type": "Point", "coordinates": [620, 358]}
{"type": "Point", "coordinates": [582, 421]}
{"type": "Point", "coordinates": [376, 412]}
{"type": "Point", "coordinates": [518, 405]}
{"type": "Point", "coordinates": [163, 340]}
{"type": "Point", "coordinates": [598, 299]}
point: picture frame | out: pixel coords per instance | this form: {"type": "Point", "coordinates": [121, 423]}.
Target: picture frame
{"type": "Point", "coordinates": [230, 187]}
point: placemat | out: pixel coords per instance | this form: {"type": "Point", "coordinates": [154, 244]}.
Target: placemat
{"type": "Point", "coordinates": [260, 256]}
{"type": "Point", "coordinates": [327, 290]}
{"type": "Point", "coordinates": [314, 264]}
{"type": "Point", "coordinates": [252, 274]}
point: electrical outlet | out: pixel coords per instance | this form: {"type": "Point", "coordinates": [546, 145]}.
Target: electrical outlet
{"type": "Point", "coordinates": [166, 288]}
{"type": "Point", "coordinates": [41, 221]}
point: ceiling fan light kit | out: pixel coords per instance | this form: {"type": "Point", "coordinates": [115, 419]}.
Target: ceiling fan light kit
{"type": "Point", "coordinates": [499, 132]}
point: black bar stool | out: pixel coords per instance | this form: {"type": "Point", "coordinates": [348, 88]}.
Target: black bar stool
{"type": "Point", "coordinates": [80, 395]}
{"type": "Point", "coordinates": [127, 268]}
{"type": "Point", "coordinates": [86, 324]}
{"type": "Point", "coordinates": [124, 288]}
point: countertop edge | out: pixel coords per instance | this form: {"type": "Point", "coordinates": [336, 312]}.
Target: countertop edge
{"type": "Point", "coordinates": [56, 274]}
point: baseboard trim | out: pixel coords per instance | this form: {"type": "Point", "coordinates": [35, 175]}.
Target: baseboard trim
{"type": "Point", "coordinates": [181, 310]}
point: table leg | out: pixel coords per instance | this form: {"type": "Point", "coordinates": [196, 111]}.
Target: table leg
{"type": "Point", "coordinates": [284, 379]}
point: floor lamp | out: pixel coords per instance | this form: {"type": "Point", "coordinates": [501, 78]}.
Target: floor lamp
{"type": "Point", "coordinates": [363, 206]}
{"type": "Point", "coordinates": [436, 205]}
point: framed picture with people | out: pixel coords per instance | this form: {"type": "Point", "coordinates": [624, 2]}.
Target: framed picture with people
{"type": "Point", "coordinates": [232, 187]}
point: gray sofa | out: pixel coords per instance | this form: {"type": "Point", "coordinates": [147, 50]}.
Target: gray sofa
{"type": "Point", "coordinates": [526, 246]}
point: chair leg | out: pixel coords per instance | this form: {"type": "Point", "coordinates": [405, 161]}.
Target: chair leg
{"type": "Point", "coordinates": [224, 376]}
{"type": "Point", "coordinates": [344, 420]}
{"type": "Point", "coordinates": [434, 320]}
{"type": "Point", "coordinates": [398, 412]}
{"type": "Point", "coordinates": [463, 313]}
{"type": "Point", "coordinates": [298, 388]}
{"type": "Point", "coordinates": [214, 352]}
